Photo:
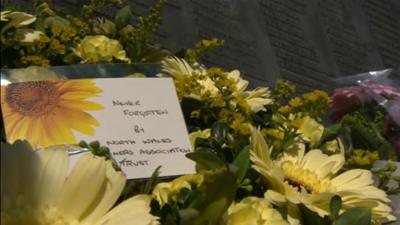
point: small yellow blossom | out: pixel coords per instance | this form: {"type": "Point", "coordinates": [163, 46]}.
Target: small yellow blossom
{"type": "Point", "coordinates": [199, 134]}
{"type": "Point", "coordinates": [167, 191]}
{"type": "Point", "coordinates": [276, 133]}
{"type": "Point", "coordinates": [284, 109]}
{"type": "Point", "coordinates": [295, 102]}
{"type": "Point", "coordinates": [363, 158]}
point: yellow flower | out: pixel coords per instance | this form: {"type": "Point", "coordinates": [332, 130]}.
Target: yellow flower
{"type": "Point", "coordinates": [313, 179]}
{"type": "Point", "coordinates": [284, 109]}
{"type": "Point", "coordinates": [311, 130]}
{"type": "Point", "coordinates": [333, 147]}
{"type": "Point", "coordinates": [362, 158]}
{"type": "Point", "coordinates": [167, 191]}
{"type": "Point", "coordinates": [46, 112]}
{"type": "Point", "coordinates": [98, 48]}
{"type": "Point", "coordinates": [317, 95]}
{"type": "Point", "coordinates": [276, 133]}
{"type": "Point", "coordinates": [199, 134]}
{"type": "Point", "coordinates": [253, 210]}
{"type": "Point", "coordinates": [295, 102]}
{"type": "Point", "coordinates": [37, 189]}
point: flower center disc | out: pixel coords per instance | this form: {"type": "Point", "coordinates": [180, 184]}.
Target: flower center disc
{"type": "Point", "coordinates": [33, 98]}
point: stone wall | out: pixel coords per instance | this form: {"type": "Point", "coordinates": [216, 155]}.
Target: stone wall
{"type": "Point", "coordinates": [309, 42]}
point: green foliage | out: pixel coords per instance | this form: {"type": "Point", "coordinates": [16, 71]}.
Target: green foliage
{"type": "Point", "coordinates": [123, 17]}
{"type": "Point", "coordinates": [388, 182]}
{"type": "Point", "coordinates": [220, 189]}
{"type": "Point", "coordinates": [335, 205]}
{"type": "Point", "coordinates": [96, 5]}
{"type": "Point", "coordinates": [331, 132]}
{"type": "Point", "coordinates": [55, 36]}
{"type": "Point", "coordinates": [242, 161]}
{"type": "Point", "coordinates": [359, 216]}
{"type": "Point", "coordinates": [206, 160]}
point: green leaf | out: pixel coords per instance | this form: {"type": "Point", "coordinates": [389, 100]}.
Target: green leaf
{"type": "Point", "coordinates": [357, 215]}
{"type": "Point", "coordinates": [331, 133]}
{"type": "Point", "coordinates": [55, 21]}
{"type": "Point", "coordinates": [313, 218]}
{"type": "Point", "coordinates": [242, 161]}
{"type": "Point", "coordinates": [123, 17]}
{"type": "Point", "coordinates": [206, 159]}
{"type": "Point", "coordinates": [220, 189]}
{"type": "Point", "coordinates": [154, 55]}
{"type": "Point", "coordinates": [219, 131]}
{"type": "Point", "coordinates": [152, 181]}
{"type": "Point", "coordinates": [196, 198]}
{"type": "Point", "coordinates": [335, 205]}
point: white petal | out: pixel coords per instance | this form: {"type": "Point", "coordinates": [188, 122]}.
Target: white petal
{"type": "Point", "coordinates": [53, 175]}
{"type": "Point", "coordinates": [20, 167]}
{"type": "Point", "coordinates": [115, 184]}
{"type": "Point", "coordinates": [86, 181]}
{"type": "Point", "coordinates": [353, 179]}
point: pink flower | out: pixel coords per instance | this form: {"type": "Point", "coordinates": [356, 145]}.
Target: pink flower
{"type": "Point", "coordinates": [345, 99]}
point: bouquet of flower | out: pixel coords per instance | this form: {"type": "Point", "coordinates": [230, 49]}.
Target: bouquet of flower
{"type": "Point", "coordinates": [263, 156]}
{"type": "Point", "coordinates": [369, 112]}
{"type": "Point", "coordinates": [55, 38]}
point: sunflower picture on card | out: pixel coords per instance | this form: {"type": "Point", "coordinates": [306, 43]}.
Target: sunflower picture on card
{"type": "Point", "coordinates": [49, 112]}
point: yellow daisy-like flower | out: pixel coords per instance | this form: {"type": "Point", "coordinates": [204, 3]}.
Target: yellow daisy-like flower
{"type": "Point", "coordinates": [313, 179]}
{"type": "Point", "coordinates": [36, 189]}
{"type": "Point", "coordinates": [256, 99]}
{"type": "Point", "coordinates": [252, 210]}
{"type": "Point", "coordinates": [46, 112]}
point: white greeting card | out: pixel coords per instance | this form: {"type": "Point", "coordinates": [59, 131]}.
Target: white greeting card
{"type": "Point", "coordinates": [139, 119]}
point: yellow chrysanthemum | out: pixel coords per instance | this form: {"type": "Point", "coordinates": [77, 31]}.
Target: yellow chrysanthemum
{"type": "Point", "coordinates": [99, 48]}
{"type": "Point", "coordinates": [36, 189]}
{"type": "Point", "coordinates": [46, 112]}
{"type": "Point", "coordinates": [312, 179]}
{"type": "Point", "coordinates": [252, 210]}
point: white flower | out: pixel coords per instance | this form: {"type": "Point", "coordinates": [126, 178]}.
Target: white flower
{"type": "Point", "coordinates": [176, 68]}
{"type": "Point", "coordinates": [179, 69]}
{"type": "Point", "coordinates": [311, 130]}
{"type": "Point", "coordinates": [31, 36]}
{"type": "Point", "coordinates": [256, 99]}
{"type": "Point", "coordinates": [36, 189]}
{"type": "Point", "coordinates": [17, 19]}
